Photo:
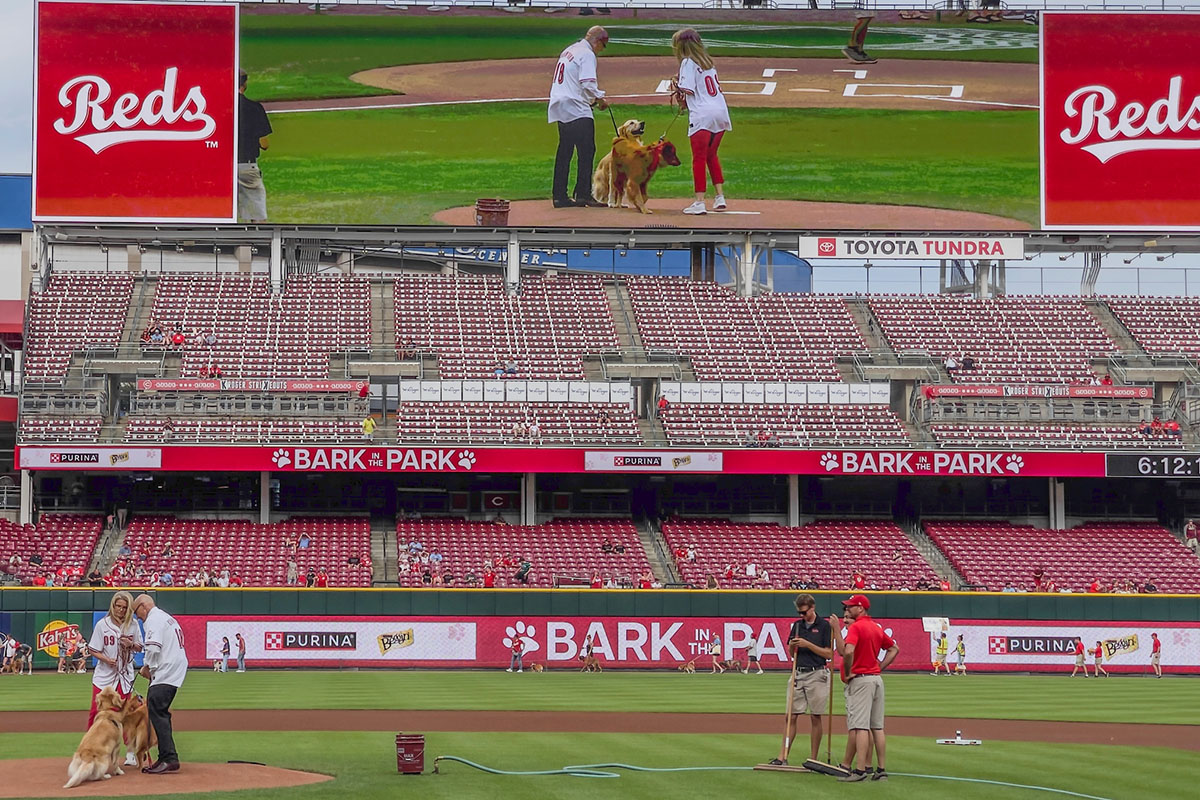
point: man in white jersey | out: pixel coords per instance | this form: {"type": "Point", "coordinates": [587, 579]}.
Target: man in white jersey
{"type": "Point", "coordinates": [165, 668]}
{"type": "Point", "coordinates": [573, 92]}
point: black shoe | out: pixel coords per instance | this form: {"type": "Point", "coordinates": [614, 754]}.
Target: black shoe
{"type": "Point", "coordinates": [589, 203]}
{"type": "Point", "coordinates": [162, 767]}
{"type": "Point", "coordinates": [869, 770]}
{"type": "Point", "coordinates": [775, 762]}
{"type": "Point", "coordinates": [565, 202]}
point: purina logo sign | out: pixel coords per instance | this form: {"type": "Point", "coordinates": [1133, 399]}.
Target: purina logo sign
{"type": "Point", "coordinates": [158, 117]}
{"type": "Point", "coordinates": [351, 459]}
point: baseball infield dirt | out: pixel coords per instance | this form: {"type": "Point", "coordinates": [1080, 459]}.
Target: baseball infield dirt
{"type": "Point", "coordinates": [44, 777]}
{"type": "Point", "coordinates": [742, 215]}
{"type": "Point", "coordinates": [1176, 736]}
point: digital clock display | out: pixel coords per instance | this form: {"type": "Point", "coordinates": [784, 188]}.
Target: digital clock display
{"type": "Point", "coordinates": [1152, 465]}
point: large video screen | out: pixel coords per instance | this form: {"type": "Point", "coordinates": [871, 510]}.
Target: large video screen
{"type": "Point", "coordinates": [920, 121]}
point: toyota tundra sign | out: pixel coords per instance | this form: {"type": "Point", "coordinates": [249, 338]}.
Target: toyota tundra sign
{"type": "Point", "coordinates": [134, 113]}
{"type": "Point", "coordinates": [910, 248]}
{"type": "Point", "coordinates": [1120, 121]}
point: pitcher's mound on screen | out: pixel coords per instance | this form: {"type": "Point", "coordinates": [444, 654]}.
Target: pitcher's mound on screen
{"type": "Point", "coordinates": [44, 777]}
{"type": "Point", "coordinates": [741, 215]}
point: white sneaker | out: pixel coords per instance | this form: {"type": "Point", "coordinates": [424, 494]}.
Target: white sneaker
{"type": "Point", "coordinates": [696, 208]}
{"type": "Point", "coordinates": [131, 759]}
{"type": "Point", "coordinates": [508, 670]}
{"type": "Point", "coordinates": [719, 203]}
{"type": "Point", "coordinates": [520, 670]}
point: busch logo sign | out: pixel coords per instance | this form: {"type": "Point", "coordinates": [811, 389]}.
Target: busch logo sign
{"type": "Point", "coordinates": [1120, 124]}
{"type": "Point", "coordinates": [161, 81]}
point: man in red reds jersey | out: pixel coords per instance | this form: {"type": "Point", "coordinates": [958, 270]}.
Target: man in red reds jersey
{"type": "Point", "coordinates": [862, 644]}
{"type": "Point", "coordinates": [1080, 658]}
{"type": "Point", "coordinates": [1155, 654]}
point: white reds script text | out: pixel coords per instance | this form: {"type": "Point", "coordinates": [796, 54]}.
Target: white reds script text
{"type": "Point", "coordinates": [1134, 126]}
{"type": "Point", "coordinates": [157, 118]}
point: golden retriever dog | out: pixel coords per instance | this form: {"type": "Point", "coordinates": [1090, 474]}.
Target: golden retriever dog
{"type": "Point", "coordinates": [689, 667]}
{"type": "Point", "coordinates": [139, 733]}
{"type": "Point", "coordinates": [625, 172]}
{"type": "Point", "coordinates": [537, 668]}
{"type": "Point", "coordinates": [99, 754]}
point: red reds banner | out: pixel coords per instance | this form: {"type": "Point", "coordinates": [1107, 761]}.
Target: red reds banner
{"type": "Point", "coordinates": [1120, 121]}
{"type": "Point", "coordinates": [134, 112]}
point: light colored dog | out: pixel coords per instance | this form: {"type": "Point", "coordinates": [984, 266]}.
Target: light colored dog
{"type": "Point", "coordinates": [537, 668]}
{"type": "Point", "coordinates": [139, 733]}
{"type": "Point", "coordinates": [689, 667]}
{"type": "Point", "coordinates": [99, 754]}
{"type": "Point", "coordinates": [625, 172]}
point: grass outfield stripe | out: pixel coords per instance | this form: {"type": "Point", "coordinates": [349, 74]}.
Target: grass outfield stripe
{"type": "Point", "coordinates": [1014, 697]}
{"type": "Point", "coordinates": [364, 766]}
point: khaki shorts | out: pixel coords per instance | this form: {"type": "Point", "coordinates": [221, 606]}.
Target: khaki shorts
{"type": "Point", "coordinates": [940, 658]}
{"type": "Point", "coordinates": [810, 692]}
{"type": "Point", "coordinates": [252, 194]}
{"type": "Point", "coordinates": [1079, 660]}
{"type": "Point", "coordinates": [864, 703]}
{"type": "Point", "coordinates": [1154, 658]}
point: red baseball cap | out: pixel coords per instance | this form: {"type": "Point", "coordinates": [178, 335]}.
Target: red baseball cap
{"type": "Point", "coordinates": [858, 600]}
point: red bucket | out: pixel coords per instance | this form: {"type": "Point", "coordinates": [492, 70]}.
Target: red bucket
{"type": "Point", "coordinates": [491, 213]}
{"type": "Point", "coordinates": [410, 753]}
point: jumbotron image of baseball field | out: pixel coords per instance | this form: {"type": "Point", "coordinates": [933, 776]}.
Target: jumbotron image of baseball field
{"type": "Point", "coordinates": [551, 730]}
{"type": "Point", "coordinates": [410, 118]}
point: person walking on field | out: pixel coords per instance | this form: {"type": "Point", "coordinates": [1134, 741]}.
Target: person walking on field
{"type": "Point", "coordinates": [574, 90]}
{"type": "Point", "coordinates": [864, 689]}
{"type": "Point", "coordinates": [943, 650]}
{"type": "Point", "coordinates": [810, 646]}
{"type": "Point", "coordinates": [961, 650]}
{"type": "Point", "coordinates": [715, 650]}
{"type": "Point", "coordinates": [1156, 654]}
{"type": "Point", "coordinates": [165, 668]}
{"type": "Point", "coordinates": [518, 648]}
{"type": "Point", "coordinates": [1080, 658]}
{"type": "Point", "coordinates": [241, 655]}
{"type": "Point", "coordinates": [1098, 660]}
{"type": "Point", "coordinates": [698, 89]}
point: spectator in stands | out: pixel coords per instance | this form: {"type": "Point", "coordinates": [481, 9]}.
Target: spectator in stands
{"type": "Point", "coordinates": [409, 351]}
{"type": "Point", "coordinates": [951, 364]}
{"type": "Point", "coordinates": [35, 559]}
{"type": "Point", "coordinates": [597, 581]}
{"type": "Point", "coordinates": [897, 555]}
{"type": "Point", "coordinates": [364, 396]}
{"type": "Point", "coordinates": [292, 570]}
{"type": "Point", "coordinates": [40, 580]}
{"type": "Point", "coordinates": [125, 550]}
{"type": "Point", "coordinates": [1095, 587]}
{"type": "Point", "coordinates": [95, 578]}
{"type": "Point", "coordinates": [943, 585]}
{"type": "Point", "coordinates": [435, 557]}
{"type": "Point", "coordinates": [427, 577]}
{"type": "Point", "coordinates": [168, 430]}
{"type": "Point", "coordinates": [859, 581]}
{"type": "Point", "coordinates": [1190, 538]}
{"type": "Point", "coordinates": [603, 420]}
{"type": "Point", "coordinates": [691, 553]}
{"type": "Point", "coordinates": [751, 439]}
{"type": "Point", "coordinates": [751, 569]}
{"type": "Point", "coordinates": [210, 338]}
{"type": "Point", "coordinates": [968, 363]}
{"type": "Point", "coordinates": [156, 334]}
{"type": "Point", "coordinates": [523, 570]}
{"type": "Point", "coordinates": [763, 437]}
{"type": "Point", "coordinates": [415, 546]}
{"type": "Point", "coordinates": [166, 579]}
{"type": "Point", "coordinates": [168, 551]}
{"type": "Point", "coordinates": [1008, 587]}
{"type": "Point", "coordinates": [1144, 428]}
{"type": "Point", "coordinates": [1156, 426]}
{"type": "Point", "coordinates": [214, 370]}
{"type": "Point", "coordinates": [202, 373]}
{"type": "Point", "coordinates": [619, 549]}
{"type": "Point", "coordinates": [645, 580]}
{"type": "Point", "coordinates": [1150, 587]}
{"type": "Point", "coordinates": [711, 582]}
{"type": "Point", "coordinates": [304, 542]}
{"type": "Point", "coordinates": [322, 578]}
{"type": "Point", "coordinates": [489, 577]}
{"type": "Point", "coordinates": [223, 579]}
{"type": "Point", "coordinates": [764, 578]}
{"type": "Point", "coordinates": [606, 546]}
{"type": "Point", "coordinates": [178, 340]}
{"type": "Point", "coordinates": [663, 404]}
{"type": "Point", "coordinates": [1172, 430]}
{"type": "Point", "coordinates": [14, 564]}
{"type": "Point", "coordinates": [499, 370]}
{"type": "Point", "coordinates": [519, 431]}
{"type": "Point", "coordinates": [368, 428]}
{"type": "Point", "coordinates": [49, 578]}
{"type": "Point", "coordinates": [1106, 380]}
{"type": "Point", "coordinates": [510, 366]}
{"type": "Point", "coordinates": [535, 433]}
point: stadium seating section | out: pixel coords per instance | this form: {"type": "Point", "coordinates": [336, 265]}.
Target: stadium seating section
{"type": "Point", "coordinates": [495, 423]}
{"type": "Point", "coordinates": [698, 424]}
{"type": "Point", "coordinates": [993, 553]}
{"type": "Point", "coordinates": [1161, 325]}
{"type": "Point", "coordinates": [59, 429]}
{"type": "Point", "coordinates": [472, 324]}
{"type": "Point", "coordinates": [76, 311]}
{"type": "Point", "coordinates": [255, 553]}
{"type": "Point", "coordinates": [182, 430]}
{"type": "Point", "coordinates": [1095, 437]}
{"type": "Point", "coordinates": [259, 334]}
{"type": "Point", "coordinates": [565, 547]}
{"type": "Point", "coordinates": [780, 336]}
{"type": "Point", "coordinates": [1012, 339]}
{"type": "Point", "coordinates": [61, 540]}
{"type": "Point", "coordinates": [827, 551]}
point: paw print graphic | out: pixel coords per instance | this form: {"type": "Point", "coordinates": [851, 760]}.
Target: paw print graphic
{"type": "Point", "coordinates": [456, 632]}
{"type": "Point", "coordinates": [281, 458]}
{"type": "Point", "coordinates": [829, 461]}
{"type": "Point", "coordinates": [1014, 464]}
{"type": "Point", "coordinates": [523, 632]}
{"type": "Point", "coordinates": [466, 459]}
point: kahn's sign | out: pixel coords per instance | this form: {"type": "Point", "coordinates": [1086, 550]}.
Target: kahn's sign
{"type": "Point", "coordinates": [906, 248]}
{"type": "Point", "coordinates": [135, 110]}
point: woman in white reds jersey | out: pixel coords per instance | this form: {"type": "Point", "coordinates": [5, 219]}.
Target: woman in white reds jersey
{"type": "Point", "coordinates": [114, 641]}
{"type": "Point", "coordinates": [697, 87]}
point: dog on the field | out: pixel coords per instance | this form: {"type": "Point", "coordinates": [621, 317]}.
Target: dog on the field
{"type": "Point", "coordinates": [139, 733]}
{"type": "Point", "coordinates": [537, 667]}
{"type": "Point", "coordinates": [216, 665]}
{"type": "Point", "coordinates": [689, 667]}
{"type": "Point", "coordinates": [99, 753]}
{"type": "Point", "coordinates": [733, 664]}
{"type": "Point", "coordinates": [625, 172]}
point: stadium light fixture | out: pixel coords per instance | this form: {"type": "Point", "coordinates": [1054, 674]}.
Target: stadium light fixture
{"type": "Point", "coordinates": [1065, 257]}
{"type": "Point", "coordinates": [1132, 259]}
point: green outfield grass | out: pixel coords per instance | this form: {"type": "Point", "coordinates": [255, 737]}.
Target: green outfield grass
{"type": "Point", "coordinates": [364, 766]}
{"type": "Point", "coordinates": [1040, 697]}
{"type": "Point", "coordinates": [300, 57]}
{"type": "Point", "coordinates": [400, 166]}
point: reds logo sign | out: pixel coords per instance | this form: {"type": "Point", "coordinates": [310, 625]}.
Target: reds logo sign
{"type": "Point", "coordinates": [134, 112]}
{"type": "Point", "coordinates": [84, 99]}
{"type": "Point", "coordinates": [1120, 121]}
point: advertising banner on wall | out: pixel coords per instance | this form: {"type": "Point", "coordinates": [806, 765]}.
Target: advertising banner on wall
{"type": "Point", "coordinates": [911, 248]}
{"type": "Point", "coordinates": [1022, 645]}
{"type": "Point", "coordinates": [135, 112]}
{"type": "Point", "coordinates": [646, 642]}
{"type": "Point", "coordinates": [1120, 121]}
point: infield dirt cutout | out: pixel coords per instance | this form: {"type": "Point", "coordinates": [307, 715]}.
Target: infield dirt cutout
{"type": "Point", "coordinates": [44, 777]}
